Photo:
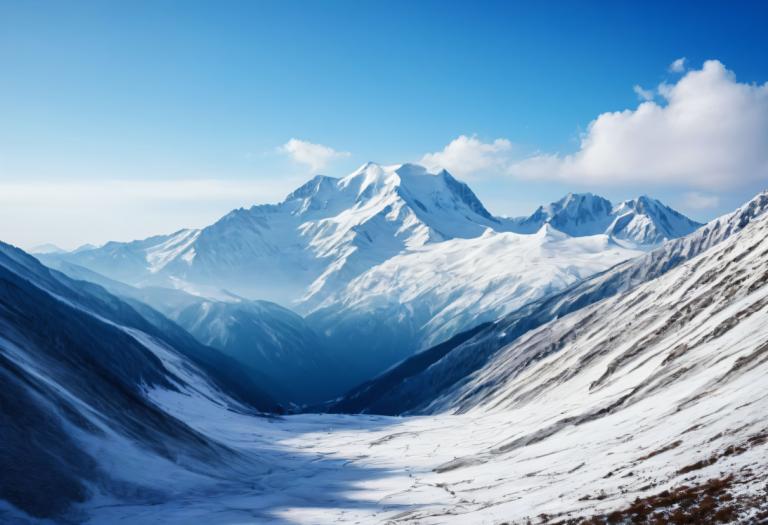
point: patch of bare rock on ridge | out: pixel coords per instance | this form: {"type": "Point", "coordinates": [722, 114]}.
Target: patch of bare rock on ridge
{"type": "Point", "coordinates": [716, 500]}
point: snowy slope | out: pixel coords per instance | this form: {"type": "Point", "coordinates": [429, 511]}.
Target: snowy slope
{"type": "Point", "coordinates": [329, 231]}
{"type": "Point", "coordinates": [76, 363]}
{"type": "Point", "coordinates": [261, 335]}
{"type": "Point", "coordinates": [417, 381]}
{"type": "Point", "coordinates": [656, 391]}
{"type": "Point", "coordinates": [429, 294]}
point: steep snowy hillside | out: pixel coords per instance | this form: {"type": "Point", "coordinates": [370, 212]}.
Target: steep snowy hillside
{"type": "Point", "coordinates": [76, 364]}
{"type": "Point", "coordinates": [418, 381]}
{"type": "Point", "coordinates": [646, 407]}
{"type": "Point", "coordinates": [422, 297]}
{"type": "Point", "coordinates": [263, 336]}
{"type": "Point", "coordinates": [649, 390]}
{"type": "Point", "coordinates": [383, 263]}
{"type": "Point", "coordinates": [273, 340]}
{"type": "Point", "coordinates": [641, 222]}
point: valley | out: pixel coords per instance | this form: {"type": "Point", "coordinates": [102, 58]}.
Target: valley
{"type": "Point", "coordinates": [591, 397]}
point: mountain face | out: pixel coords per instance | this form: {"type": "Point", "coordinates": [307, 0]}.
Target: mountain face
{"type": "Point", "coordinates": [271, 339]}
{"type": "Point", "coordinates": [382, 263]}
{"type": "Point", "coordinates": [326, 232]}
{"type": "Point", "coordinates": [77, 365]}
{"type": "Point", "coordinates": [642, 222]}
{"type": "Point", "coordinates": [422, 297]}
{"type": "Point", "coordinates": [414, 384]}
{"type": "Point", "coordinates": [703, 323]}
{"type": "Point", "coordinates": [265, 337]}
{"type": "Point", "coordinates": [330, 231]}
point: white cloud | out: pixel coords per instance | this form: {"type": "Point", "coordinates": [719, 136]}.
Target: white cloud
{"type": "Point", "coordinates": [709, 132]}
{"type": "Point", "coordinates": [643, 94]}
{"type": "Point", "coordinates": [465, 156]}
{"type": "Point", "coordinates": [316, 156]}
{"type": "Point", "coordinates": [700, 201]}
{"type": "Point", "coordinates": [678, 66]}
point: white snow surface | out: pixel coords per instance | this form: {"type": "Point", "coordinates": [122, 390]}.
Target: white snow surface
{"type": "Point", "coordinates": [610, 401]}
{"type": "Point", "coordinates": [639, 222]}
{"type": "Point", "coordinates": [454, 285]}
{"type": "Point", "coordinates": [326, 232]}
{"type": "Point", "coordinates": [393, 254]}
{"type": "Point", "coordinates": [330, 231]}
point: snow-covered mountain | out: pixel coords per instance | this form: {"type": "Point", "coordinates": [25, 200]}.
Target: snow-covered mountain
{"type": "Point", "coordinates": [416, 382]}
{"type": "Point", "coordinates": [646, 405]}
{"type": "Point", "coordinates": [76, 418]}
{"type": "Point", "coordinates": [389, 259]}
{"type": "Point", "coordinates": [330, 231]}
{"type": "Point", "coordinates": [325, 233]}
{"type": "Point", "coordinates": [642, 222]}
{"type": "Point", "coordinates": [424, 296]}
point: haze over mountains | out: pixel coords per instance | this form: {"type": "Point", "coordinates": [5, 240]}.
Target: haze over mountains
{"type": "Point", "coordinates": [610, 368]}
{"type": "Point", "coordinates": [382, 263]}
{"type": "Point", "coordinates": [329, 231]}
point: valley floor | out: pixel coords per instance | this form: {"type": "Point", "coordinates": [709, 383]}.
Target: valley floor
{"type": "Point", "coordinates": [364, 469]}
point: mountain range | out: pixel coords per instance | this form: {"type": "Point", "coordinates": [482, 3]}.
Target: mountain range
{"type": "Point", "coordinates": [418, 383]}
{"type": "Point", "coordinates": [381, 264]}
{"type": "Point", "coordinates": [615, 397]}
{"type": "Point", "coordinates": [329, 231]}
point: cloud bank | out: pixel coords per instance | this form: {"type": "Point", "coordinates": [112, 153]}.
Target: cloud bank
{"type": "Point", "coordinates": [708, 132]}
{"type": "Point", "coordinates": [466, 156]}
{"type": "Point", "coordinates": [316, 156]}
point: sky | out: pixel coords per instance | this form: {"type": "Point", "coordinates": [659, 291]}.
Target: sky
{"type": "Point", "coordinates": [120, 120]}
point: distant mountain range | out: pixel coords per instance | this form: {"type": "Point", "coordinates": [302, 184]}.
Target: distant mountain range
{"type": "Point", "coordinates": [642, 221]}
{"type": "Point", "coordinates": [382, 263]}
{"type": "Point", "coordinates": [329, 231]}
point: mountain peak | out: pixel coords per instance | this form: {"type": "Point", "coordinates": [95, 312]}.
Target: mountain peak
{"type": "Point", "coordinates": [640, 221]}
{"type": "Point", "coordinates": [46, 248]}
{"type": "Point", "coordinates": [311, 187]}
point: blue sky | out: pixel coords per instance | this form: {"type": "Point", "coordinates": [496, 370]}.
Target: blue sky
{"type": "Point", "coordinates": [167, 114]}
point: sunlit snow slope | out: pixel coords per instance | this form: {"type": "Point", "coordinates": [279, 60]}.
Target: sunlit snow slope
{"type": "Point", "coordinates": [414, 384]}
{"type": "Point", "coordinates": [382, 263]}
{"type": "Point", "coordinates": [76, 422]}
{"type": "Point", "coordinates": [650, 390]}
{"type": "Point", "coordinates": [429, 294]}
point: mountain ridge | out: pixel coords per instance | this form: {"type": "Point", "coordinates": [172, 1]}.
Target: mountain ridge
{"type": "Point", "coordinates": [417, 387]}
{"type": "Point", "coordinates": [330, 230]}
